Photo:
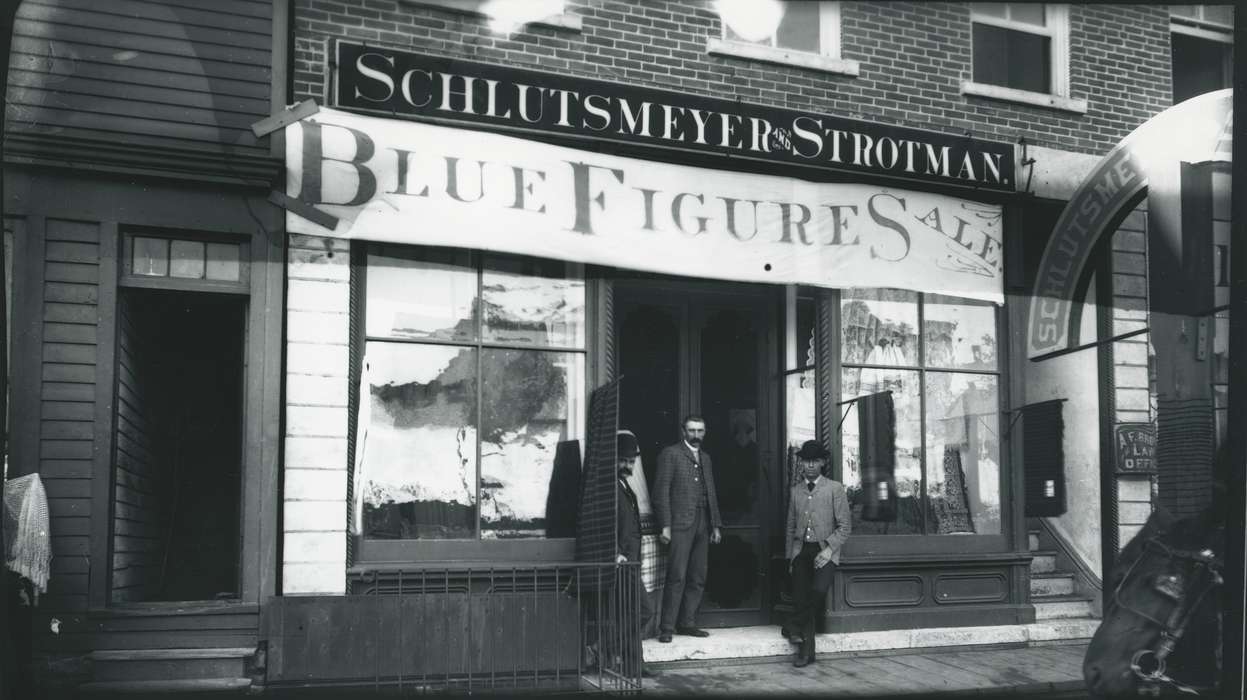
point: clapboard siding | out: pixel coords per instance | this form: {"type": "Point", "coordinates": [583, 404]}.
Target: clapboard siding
{"type": "Point", "coordinates": [67, 400]}
{"type": "Point", "coordinates": [140, 517]}
{"type": "Point", "coordinates": [119, 80]}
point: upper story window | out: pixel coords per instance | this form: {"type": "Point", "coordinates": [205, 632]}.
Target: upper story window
{"type": "Point", "coordinates": [805, 34]}
{"type": "Point", "coordinates": [1202, 43]}
{"type": "Point", "coordinates": [1021, 53]}
{"type": "Point", "coordinates": [506, 16]}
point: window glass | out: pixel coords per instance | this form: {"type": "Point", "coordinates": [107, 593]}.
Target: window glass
{"type": "Point", "coordinates": [430, 298]}
{"type": "Point", "coordinates": [962, 454]}
{"type": "Point", "coordinates": [223, 262]}
{"type": "Point", "coordinates": [532, 302]}
{"type": "Point", "coordinates": [904, 385]}
{"type": "Point", "coordinates": [1011, 58]}
{"type": "Point", "coordinates": [187, 259]}
{"type": "Point", "coordinates": [436, 408]}
{"type": "Point", "coordinates": [879, 327]}
{"type": "Point", "coordinates": [151, 256]}
{"type": "Point", "coordinates": [799, 28]}
{"type": "Point", "coordinates": [1199, 66]}
{"type": "Point", "coordinates": [419, 469]}
{"type": "Point", "coordinates": [991, 9]}
{"type": "Point", "coordinates": [1219, 14]}
{"type": "Point", "coordinates": [530, 403]}
{"type": "Point", "coordinates": [959, 333]}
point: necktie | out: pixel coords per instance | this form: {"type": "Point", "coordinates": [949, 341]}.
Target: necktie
{"type": "Point", "coordinates": [810, 486]}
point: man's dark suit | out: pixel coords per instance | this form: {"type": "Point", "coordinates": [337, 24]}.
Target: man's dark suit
{"type": "Point", "coordinates": [628, 527]}
{"type": "Point", "coordinates": [685, 500]}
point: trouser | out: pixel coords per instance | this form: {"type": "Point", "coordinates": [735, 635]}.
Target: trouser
{"type": "Point", "coordinates": [686, 574]}
{"type": "Point", "coordinates": [809, 594]}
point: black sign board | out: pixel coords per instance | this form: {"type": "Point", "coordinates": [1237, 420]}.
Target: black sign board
{"type": "Point", "coordinates": [1136, 448]}
{"type": "Point", "coordinates": [401, 84]}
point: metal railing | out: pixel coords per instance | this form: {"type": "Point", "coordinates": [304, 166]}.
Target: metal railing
{"type": "Point", "coordinates": [533, 627]}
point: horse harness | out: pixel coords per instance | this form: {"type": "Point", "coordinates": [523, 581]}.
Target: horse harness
{"type": "Point", "coordinates": [1149, 664]}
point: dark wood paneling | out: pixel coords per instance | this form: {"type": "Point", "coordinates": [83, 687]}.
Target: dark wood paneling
{"type": "Point", "coordinates": [877, 591]}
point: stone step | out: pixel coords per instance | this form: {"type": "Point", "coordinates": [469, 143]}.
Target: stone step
{"type": "Point", "coordinates": [1048, 585]}
{"type": "Point", "coordinates": [165, 687]}
{"type": "Point", "coordinates": [765, 641]}
{"type": "Point", "coordinates": [122, 665]}
{"type": "Point", "coordinates": [1062, 607]}
{"type": "Point", "coordinates": [1043, 562]}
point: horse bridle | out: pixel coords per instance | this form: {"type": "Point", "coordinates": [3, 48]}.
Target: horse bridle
{"type": "Point", "coordinates": [1207, 568]}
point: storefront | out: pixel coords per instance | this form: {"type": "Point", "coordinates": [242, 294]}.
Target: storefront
{"type": "Point", "coordinates": [516, 239]}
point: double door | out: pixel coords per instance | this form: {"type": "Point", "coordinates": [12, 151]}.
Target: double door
{"type": "Point", "coordinates": [710, 349]}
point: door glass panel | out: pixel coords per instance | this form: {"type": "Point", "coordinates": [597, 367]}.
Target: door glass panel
{"type": "Point", "coordinates": [729, 403]}
{"type": "Point", "coordinates": [731, 572]}
{"type": "Point", "coordinates": [649, 397]}
{"type": "Point", "coordinates": [187, 259]}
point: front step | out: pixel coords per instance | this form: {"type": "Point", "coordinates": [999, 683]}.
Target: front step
{"type": "Point", "coordinates": [164, 687]}
{"type": "Point", "coordinates": [1062, 607]}
{"type": "Point", "coordinates": [1043, 562]}
{"type": "Point", "coordinates": [141, 665]}
{"type": "Point", "coordinates": [1051, 585]}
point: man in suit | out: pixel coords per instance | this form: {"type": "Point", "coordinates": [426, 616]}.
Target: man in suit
{"type": "Point", "coordinates": [818, 525]}
{"type": "Point", "coordinates": [688, 513]}
{"type": "Point", "coordinates": [628, 542]}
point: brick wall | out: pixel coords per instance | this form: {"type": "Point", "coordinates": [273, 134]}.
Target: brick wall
{"type": "Point", "coordinates": [913, 57]}
{"type": "Point", "coordinates": [314, 496]}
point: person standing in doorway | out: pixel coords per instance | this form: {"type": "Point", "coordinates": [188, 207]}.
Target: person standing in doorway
{"type": "Point", "coordinates": [628, 547]}
{"type": "Point", "coordinates": [688, 513]}
{"type": "Point", "coordinates": [818, 525]}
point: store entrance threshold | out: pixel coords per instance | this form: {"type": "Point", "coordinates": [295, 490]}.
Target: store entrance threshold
{"type": "Point", "coordinates": [765, 641]}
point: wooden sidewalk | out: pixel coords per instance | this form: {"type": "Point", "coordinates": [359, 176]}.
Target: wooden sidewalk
{"type": "Point", "coordinates": [1038, 669]}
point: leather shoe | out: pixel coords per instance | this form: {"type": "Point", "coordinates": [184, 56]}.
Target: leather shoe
{"type": "Point", "coordinates": [692, 632]}
{"type": "Point", "coordinates": [800, 660]}
{"type": "Point", "coordinates": [665, 637]}
{"type": "Point", "coordinates": [646, 673]}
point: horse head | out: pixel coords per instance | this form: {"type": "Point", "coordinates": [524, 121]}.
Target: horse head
{"type": "Point", "coordinates": [1160, 611]}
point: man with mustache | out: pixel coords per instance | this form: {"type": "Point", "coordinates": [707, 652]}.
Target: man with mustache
{"type": "Point", "coordinates": [688, 513]}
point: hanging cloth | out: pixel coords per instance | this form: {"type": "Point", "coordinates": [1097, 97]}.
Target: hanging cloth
{"type": "Point", "coordinates": [27, 535]}
{"type": "Point", "coordinates": [876, 425]}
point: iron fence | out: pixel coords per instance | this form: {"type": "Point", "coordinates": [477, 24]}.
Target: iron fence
{"type": "Point", "coordinates": [536, 627]}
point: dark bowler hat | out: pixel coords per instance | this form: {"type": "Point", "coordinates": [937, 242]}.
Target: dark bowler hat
{"type": "Point", "coordinates": [626, 445]}
{"type": "Point", "coordinates": [813, 449]}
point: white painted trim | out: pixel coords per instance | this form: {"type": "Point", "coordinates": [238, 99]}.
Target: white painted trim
{"type": "Point", "coordinates": [1046, 30]}
{"type": "Point", "coordinates": [563, 20]}
{"type": "Point", "coordinates": [1038, 99]}
{"type": "Point", "coordinates": [1202, 33]}
{"type": "Point", "coordinates": [783, 57]}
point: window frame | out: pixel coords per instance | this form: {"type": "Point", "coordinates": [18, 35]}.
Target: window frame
{"type": "Point", "coordinates": [1201, 27]}
{"type": "Point", "coordinates": [378, 554]}
{"type": "Point", "coordinates": [828, 59]}
{"type": "Point", "coordinates": [933, 543]}
{"type": "Point", "coordinates": [565, 20]}
{"type": "Point", "coordinates": [127, 278]}
{"type": "Point", "coordinates": [1056, 28]}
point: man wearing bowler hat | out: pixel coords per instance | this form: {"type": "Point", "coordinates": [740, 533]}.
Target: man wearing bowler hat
{"type": "Point", "coordinates": [628, 544]}
{"type": "Point", "coordinates": [688, 513]}
{"type": "Point", "coordinates": [818, 525]}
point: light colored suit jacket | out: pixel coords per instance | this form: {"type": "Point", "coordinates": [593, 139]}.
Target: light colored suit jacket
{"type": "Point", "coordinates": [825, 510]}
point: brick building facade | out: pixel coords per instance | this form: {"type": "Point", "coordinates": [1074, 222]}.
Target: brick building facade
{"type": "Point", "coordinates": [316, 528]}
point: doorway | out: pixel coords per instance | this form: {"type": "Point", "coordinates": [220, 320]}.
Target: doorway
{"type": "Point", "coordinates": [177, 476]}
{"type": "Point", "coordinates": [709, 349]}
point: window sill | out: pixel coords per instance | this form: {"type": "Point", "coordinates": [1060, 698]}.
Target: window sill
{"type": "Point", "coordinates": [1037, 99]}
{"type": "Point", "coordinates": [563, 21]}
{"type": "Point", "coordinates": [783, 57]}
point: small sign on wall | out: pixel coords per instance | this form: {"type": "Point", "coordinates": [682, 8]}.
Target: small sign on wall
{"type": "Point", "coordinates": [1136, 448]}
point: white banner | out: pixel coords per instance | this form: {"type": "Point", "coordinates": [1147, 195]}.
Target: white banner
{"type": "Point", "coordinates": [407, 182]}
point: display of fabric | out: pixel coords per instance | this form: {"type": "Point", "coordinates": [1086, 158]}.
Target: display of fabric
{"type": "Point", "coordinates": [27, 535]}
{"type": "Point", "coordinates": [876, 422]}
{"type": "Point", "coordinates": [1185, 446]}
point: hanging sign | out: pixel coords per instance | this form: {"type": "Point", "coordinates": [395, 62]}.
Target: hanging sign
{"type": "Point", "coordinates": [1136, 448]}
{"type": "Point", "coordinates": [409, 182]}
{"type": "Point", "coordinates": [408, 85]}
